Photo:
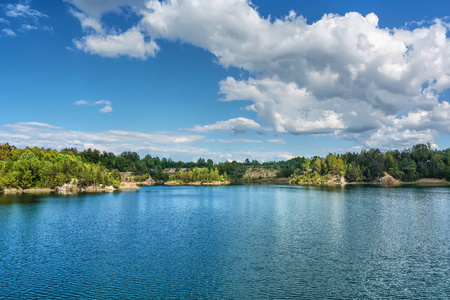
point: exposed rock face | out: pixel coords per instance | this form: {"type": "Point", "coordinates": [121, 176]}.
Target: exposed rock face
{"type": "Point", "coordinates": [260, 173]}
{"type": "Point", "coordinates": [128, 181]}
{"type": "Point", "coordinates": [13, 191]}
{"type": "Point", "coordinates": [68, 188]}
{"type": "Point", "coordinates": [124, 186]}
{"type": "Point", "coordinates": [149, 181]}
{"type": "Point", "coordinates": [337, 180]}
{"type": "Point", "coordinates": [386, 180]}
{"type": "Point", "coordinates": [72, 187]}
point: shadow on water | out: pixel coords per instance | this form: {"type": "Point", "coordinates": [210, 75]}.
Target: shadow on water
{"type": "Point", "coordinates": [8, 199]}
{"type": "Point", "coordinates": [35, 198]}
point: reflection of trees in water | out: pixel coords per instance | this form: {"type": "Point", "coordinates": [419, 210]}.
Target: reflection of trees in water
{"type": "Point", "coordinates": [6, 199]}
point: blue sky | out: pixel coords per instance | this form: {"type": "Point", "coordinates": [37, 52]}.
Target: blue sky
{"type": "Point", "coordinates": [267, 80]}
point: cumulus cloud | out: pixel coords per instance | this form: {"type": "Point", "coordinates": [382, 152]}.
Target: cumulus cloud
{"type": "Point", "coordinates": [107, 42]}
{"type": "Point", "coordinates": [106, 109]}
{"type": "Point", "coordinates": [237, 125]}
{"type": "Point", "coordinates": [131, 43]}
{"type": "Point", "coordinates": [88, 23]}
{"type": "Point", "coordinates": [287, 107]}
{"type": "Point", "coordinates": [341, 75]}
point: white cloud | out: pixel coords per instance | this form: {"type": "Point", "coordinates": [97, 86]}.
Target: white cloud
{"type": "Point", "coordinates": [261, 156]}
{"type": "Point", "coordinates": [237, 125]}
{"type": "Point", "coordinates": [106, 109]}
{"type": "Point", "coordinates": [26, 125]}
{"type": "Point", "coordinates": [387, 138]}
{"type": "Point", "coordinates": [102, 102]}
{"type": "Point", "coordinates": [88, 23]}
{"type": "Point", "coordinates": [342, 75]}
{"type": "Point", "coordinates": [8, 32]}
{"type": "Point", "coordinates": [27, 27]}
{"type": "Point", "coordinates": [277, 141]}
{"type": "Point", "coordinates": [4, 21]}
{"type": "Point", "coordinates": [35, 133]}
{"type": "Point", "coordinates": [26, 15]}
{"type": "Point", "coordinates": [82, 102]}
{"type": "Point", "coordinates": [162, 144]}
{"type": "Point", "coordinates": [96, 8]}
{"type": "Point", "coordinates": [285, 106]}
{"type": "Point", "coordinates": [131, 43]}
{"type": "Point", "coordinates": [236, 141]}
{"type": "Point", "coordinates": [20, 10]}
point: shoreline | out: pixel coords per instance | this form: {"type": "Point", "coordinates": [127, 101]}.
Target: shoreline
{"type": "Point", "coordinates": [132, 186]}
{"type": "Point", "coordinates": [71, 189]}
{"type": "Point", "coordinates": [196, 183]}
{"type": "Point", "coordinates": [420, 182]}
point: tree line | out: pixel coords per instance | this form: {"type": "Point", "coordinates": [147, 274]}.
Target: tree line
{"type": "Point", "coordinates": [39, 167]}
{"type": "Point", "coordinates": [49, 168]}
{"type": "Point", "coordinates": [202, 175]}
{"type": "Point", "coordinates": [417, 162]}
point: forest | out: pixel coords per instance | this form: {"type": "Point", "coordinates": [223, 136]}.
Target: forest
{"type": "Point", "coordinates": [417, 162]}
{"type": "Point", "coordinates": [50, 168]}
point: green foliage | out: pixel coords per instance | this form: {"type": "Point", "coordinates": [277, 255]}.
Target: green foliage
{"type": "Point", "coordinates": [354, 174]}
{"type": "Point", "coordinates": [420, 161]}
{"type": "Point", "coordinates": [141, 178]}
{"type": "Point", "coordinates": [309, 178]}
{"type": "Point", "coordinates": [46, 168]}
{"type": "Point", "coordinates": [199, 175]}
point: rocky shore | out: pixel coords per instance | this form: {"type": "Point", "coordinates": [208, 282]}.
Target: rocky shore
{"type": "Point", "coordinates": [385, 180]}
{"type": "Point", "coordinates": [71, 188]}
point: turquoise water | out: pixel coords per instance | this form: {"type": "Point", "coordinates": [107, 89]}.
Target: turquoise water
{"type": "Point", "coordinates": [238, 242]}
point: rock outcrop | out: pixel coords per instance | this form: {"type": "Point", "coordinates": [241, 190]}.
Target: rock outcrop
{"type": "Point", "coordinates": [386, 179]}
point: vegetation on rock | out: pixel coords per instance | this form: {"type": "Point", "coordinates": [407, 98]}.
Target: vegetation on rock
{"type": "Point", "coordinates": [419, 161]}
{"type": "Point", "coordinates": [203, 175]}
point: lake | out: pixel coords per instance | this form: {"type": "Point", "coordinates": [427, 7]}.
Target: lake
{"type": "Point", "coordinates": [241, 242]}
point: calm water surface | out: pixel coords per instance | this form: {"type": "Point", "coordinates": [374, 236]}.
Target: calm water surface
{"type": "Point", "coordinates": [228, 242]}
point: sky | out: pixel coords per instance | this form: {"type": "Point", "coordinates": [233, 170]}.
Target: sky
{"type": "Point", "coordinates": [225, 79]}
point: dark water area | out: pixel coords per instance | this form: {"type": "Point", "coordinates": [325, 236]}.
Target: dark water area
{"type": "Point", "coordinates": [228, 242]}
